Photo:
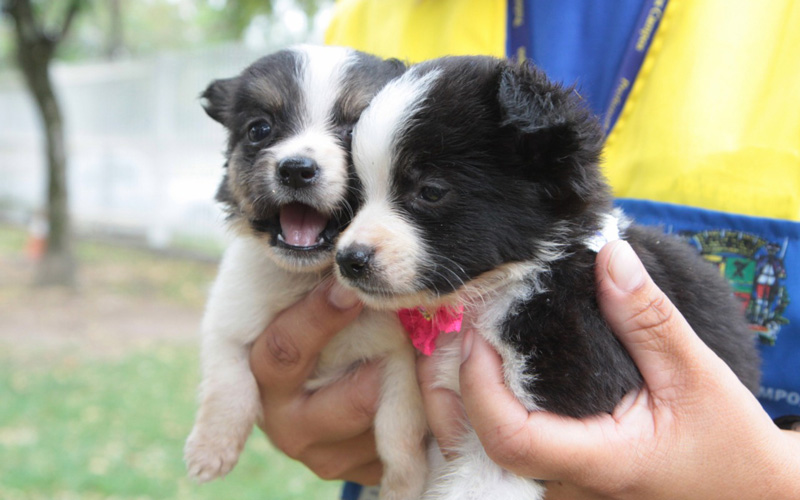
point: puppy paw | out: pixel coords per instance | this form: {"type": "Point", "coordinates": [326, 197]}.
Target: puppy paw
{"type": "Point", "coordinates": [407, 484]}
{"type": "Point", "coordinates": [210, 456]}
{"type": "Point", "coordinates": [399, 494]}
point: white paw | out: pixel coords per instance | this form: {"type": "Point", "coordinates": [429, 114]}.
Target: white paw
{"type": "Point", "coordinates": [405, 484]}
{"type": "Point", "coordinates": [400, 493]}
{"type": "Point", "coordinates": [209, 456]}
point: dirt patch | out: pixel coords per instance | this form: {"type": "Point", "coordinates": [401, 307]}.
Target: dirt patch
{"type": "Point", "coordinates": [115, 308]}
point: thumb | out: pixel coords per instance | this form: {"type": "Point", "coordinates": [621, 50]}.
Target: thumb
{"type": "Point", "coordinates": [663, 345]}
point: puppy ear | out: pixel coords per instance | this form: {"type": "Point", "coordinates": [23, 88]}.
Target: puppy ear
{"type": "Point", "coordinates": [556, 134]}
{"type": "Point", "coordinates": [224, 194]}
{"type": "Point", "coordinates": [398, 66]}
{"type": "Point", "coordinates": [217, 99]}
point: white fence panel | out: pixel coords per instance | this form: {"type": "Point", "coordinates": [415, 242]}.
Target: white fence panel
{"type": "Point", "coordinates": [144, 160]}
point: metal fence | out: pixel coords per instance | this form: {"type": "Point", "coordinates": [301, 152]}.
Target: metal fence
{"type": "Point", "coordinates": [144, 160]}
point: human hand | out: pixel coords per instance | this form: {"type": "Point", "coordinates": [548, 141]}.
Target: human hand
{"type": "Point", "coordinates": [328, 430]}
{"type": "Point", "coordinates": [692, 432]}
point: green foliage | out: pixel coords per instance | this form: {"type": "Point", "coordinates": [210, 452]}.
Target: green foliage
{"type": "Point", "coordinates": [144, 27]}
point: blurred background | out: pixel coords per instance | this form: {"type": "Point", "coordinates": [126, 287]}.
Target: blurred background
{"type": "Point", "coordinates": [109, 238]}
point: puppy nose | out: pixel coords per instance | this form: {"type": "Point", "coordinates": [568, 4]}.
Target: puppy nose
{"type": "Point", "coordinates": [354, 261]}
{"type": "Point", "coordinates": [297, 171]}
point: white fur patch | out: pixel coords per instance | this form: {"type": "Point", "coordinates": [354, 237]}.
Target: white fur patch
{"type": "Point", "coordinates": [397, 245]}
{"type": "Point", "coordinates": [472, 475]}
{"type": "Point", "coordinates": [614, 225]}
{"type": "Point", "coordinates": [319, 144]}
{"type": "Point", "coordinates": [321, 80]}
{"type": "Point", "coordinates": [376, 131]}
{"type": "Point", "coordinates": [398, 248]}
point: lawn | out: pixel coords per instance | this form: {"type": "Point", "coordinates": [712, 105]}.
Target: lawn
{"type": "Point", "coordinates": [92, 411]}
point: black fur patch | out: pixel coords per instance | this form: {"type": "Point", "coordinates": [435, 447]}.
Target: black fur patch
{"type": "Point", "coordinates": [505, 203]}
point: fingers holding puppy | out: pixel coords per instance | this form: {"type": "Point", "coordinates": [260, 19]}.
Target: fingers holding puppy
{"type": "Point", "coordinates": [329, 430]}
{"type": "Point", "coordinates": [283, 357]}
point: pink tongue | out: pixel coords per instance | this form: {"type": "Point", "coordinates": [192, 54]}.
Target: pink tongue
{"type": "Point", "coordinates": [301, 224]}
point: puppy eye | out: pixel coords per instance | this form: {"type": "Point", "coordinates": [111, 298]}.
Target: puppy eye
{"type": "Point", "coordinates": [258, 131]}
{"type": "Point", "coordinates": [432, 194]}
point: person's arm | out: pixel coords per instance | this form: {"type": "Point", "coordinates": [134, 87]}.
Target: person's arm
{"type": "Point", "coordinates": [692, 432]}
{"type": "Point", "coordinates": [329, 430]}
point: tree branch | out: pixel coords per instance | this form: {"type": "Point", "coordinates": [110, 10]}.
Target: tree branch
{"type": "Point", "coordinates": [72, 10]}
{"type": "Point", "coordinates": [22, 13]}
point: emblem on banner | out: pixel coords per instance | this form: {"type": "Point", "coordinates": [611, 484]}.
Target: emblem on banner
{"type": "Point", "coordinates": [755, 269]}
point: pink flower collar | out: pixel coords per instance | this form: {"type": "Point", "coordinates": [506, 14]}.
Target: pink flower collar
{"type": "Point", "coordinates": [424, 327]}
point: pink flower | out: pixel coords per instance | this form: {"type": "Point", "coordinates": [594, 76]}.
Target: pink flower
{"type": "Point", "coordinates": [424, 327]}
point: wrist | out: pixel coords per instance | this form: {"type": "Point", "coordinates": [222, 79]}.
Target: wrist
{"type": "Point", "coordinates": [782, 471]}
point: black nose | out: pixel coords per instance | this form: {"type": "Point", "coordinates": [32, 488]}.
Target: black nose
{"type": "Point", "coordinates": [297, 171]}
{"type": "Point", "coordinates": [354, 261]}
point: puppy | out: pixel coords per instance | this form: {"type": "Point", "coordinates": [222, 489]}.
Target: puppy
{"type": "Point", "coordinates": [288, 189]}
{"type": "Point", "coordinates": [483, 193]}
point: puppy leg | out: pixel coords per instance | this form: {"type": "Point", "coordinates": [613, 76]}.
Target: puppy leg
{"type": "Point", "coordinates": [473, 476]}
{"type": "Point", "coordinates": [229, 406]}
{"type": "Point", "coordinates": [400, 428]}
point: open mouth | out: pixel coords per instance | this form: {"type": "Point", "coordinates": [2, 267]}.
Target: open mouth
{"type": "Point", "coordinates": [303, 228]}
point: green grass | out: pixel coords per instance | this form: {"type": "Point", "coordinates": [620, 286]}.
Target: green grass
{"type": "Point", "coordinates": [12, 240]}
{"type": "Point", "coordinates": [140, 273]}
{"type": "Point", "coordinates": [76, 427]}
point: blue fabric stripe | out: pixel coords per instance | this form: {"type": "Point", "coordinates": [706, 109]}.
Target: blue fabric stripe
{"type": "Point", "coordinates": [657, 213]}
{"type": "Point", "coordinates": [638, 44]}
{"type": "Point", "coordinates": [575, 41]}
{"type": "Point", "coordinates": [351, 491]}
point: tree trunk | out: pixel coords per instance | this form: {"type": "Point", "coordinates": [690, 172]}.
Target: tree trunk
{"type": "Point", "coordinates": [115, 42]}
{"type": "Point", "coordinates": [34, 53]}
{"type": "Point", "coordinates": [58, 265]}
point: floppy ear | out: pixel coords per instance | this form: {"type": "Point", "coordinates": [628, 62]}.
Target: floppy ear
{"type": "Point", "coordinates": [558, 137]}
{"type": "Point", "coordinates": [217, 99]}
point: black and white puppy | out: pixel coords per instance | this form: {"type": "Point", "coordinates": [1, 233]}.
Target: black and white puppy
{"type": "Point", "coordinates": [288, 189]}
{"type": "Point", "coordinates": [482, 191]}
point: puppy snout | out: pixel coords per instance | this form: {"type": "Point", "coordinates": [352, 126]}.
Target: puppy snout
{"type": "Point", "coordinates": [297, 171]}
{"type": "Point", "coordinates": [354, 261]}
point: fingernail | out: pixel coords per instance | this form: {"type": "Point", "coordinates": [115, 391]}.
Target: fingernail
{"type": "Point", "coordinates": [466, 345]}
{"type": "Point", "coordinates": [626, 403]}
{"type": "Point", "coordinates": [341, 297]}
{"type": "Point", "coordinates": [625, 268]}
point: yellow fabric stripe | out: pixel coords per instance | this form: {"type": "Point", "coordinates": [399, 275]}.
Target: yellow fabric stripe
{"type": "Point", "coordinates": [713, 119]}
{"type": "Point", "coordinates": [416, 30]}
